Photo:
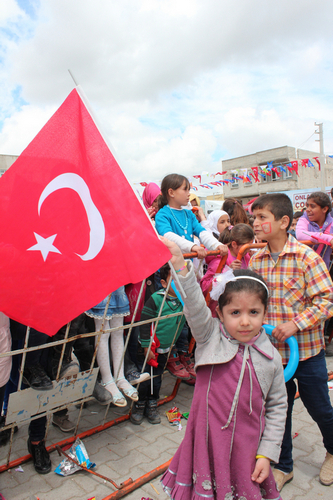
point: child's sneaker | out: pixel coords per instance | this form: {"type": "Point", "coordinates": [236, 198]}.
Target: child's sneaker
{"type": "Point", "coordinates": [177, 369]}
{"type": "Point", "coordinates": [138, 412]}
{"type": "Point", "coordinates": [135, 377]}
{"type": "Point", "coordinates": [188, 363]}
{"type": "Point", "coordinates": [151, 412]}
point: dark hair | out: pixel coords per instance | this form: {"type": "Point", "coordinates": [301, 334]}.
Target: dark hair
{"type": "Point", "coordinates": [332, 192]}
{"type": "Point", "coordinates": [277, 203]}
{"type": "Point", "coordinates": [164, 272]}
{"type": "Point", "coordinates": [241, 234]}
{"type": "Point", "coordinates": [235, 210]}
{"type": "Point", "coordinates": [171, 181]}
{"type": "Point", "coordinates": [321, 199]}
{"type": "Point", "coordinates": [244, 285]}
{"type": "Point", "coordinates": [298, 214]}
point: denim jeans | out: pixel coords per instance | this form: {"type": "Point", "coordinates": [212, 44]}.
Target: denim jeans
{"type": "Point", "coordinates": [311, 375]}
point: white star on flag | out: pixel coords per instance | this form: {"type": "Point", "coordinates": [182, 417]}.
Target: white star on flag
{"type": "Point", "coordinates": [44, 245]}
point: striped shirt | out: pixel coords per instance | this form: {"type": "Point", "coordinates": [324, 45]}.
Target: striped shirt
{"type": "Point", "coordinates": [301, 290]}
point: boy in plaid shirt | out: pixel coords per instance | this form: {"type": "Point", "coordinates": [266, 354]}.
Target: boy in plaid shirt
{"type": "Point", "coordinates": [301, 299]}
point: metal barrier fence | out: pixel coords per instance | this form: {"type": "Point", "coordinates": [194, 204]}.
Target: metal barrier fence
{"type": "Point", "coordinates": [22, 403]}
{"type": "Point", "coordinates": [90, 376]}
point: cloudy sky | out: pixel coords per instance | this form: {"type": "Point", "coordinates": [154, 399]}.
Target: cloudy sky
{"type": "Point", "coordinates": [178, 85]}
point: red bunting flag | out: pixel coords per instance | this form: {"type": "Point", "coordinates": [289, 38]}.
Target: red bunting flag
{"type": "Point", "coordinates": [295, 166]}
{"type": "Point", "coordinates": [305, 162]}
{"type": "Point", "coordinates": [197, 177]}
{"type": "Point", "coordinates": [317, 160]}
{"type": "Point", "coordinates": [255, 173]}
{"type": "Point", "coordinates": [72, 228]}
{"type": "Point", "coordinates": [275, 169]}
{"type": "Point", "coordinates": [221, 173]}
{"type": "Point", "coordinates": [144, 184]}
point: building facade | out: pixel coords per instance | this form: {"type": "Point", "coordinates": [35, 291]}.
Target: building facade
{"type": "Point", "coordinates": [308, 178]}
{"type": "Point", "coordinates": [5, 162]}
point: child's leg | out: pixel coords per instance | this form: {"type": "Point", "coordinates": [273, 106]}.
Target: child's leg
{"type": "Point", "coordinates": [285, 463]}
{"type": "Point", "coordinates": [103, 360]}
{"type": "Point", "coordinates": [117, 348]}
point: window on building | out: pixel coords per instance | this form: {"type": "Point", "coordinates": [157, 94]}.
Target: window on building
{"type": "Point", "coordinates": [288, 174]}
{"type": "Point", "coordinates": [235, 184]}
{"type": "Point", "coordinates": [264, 177]}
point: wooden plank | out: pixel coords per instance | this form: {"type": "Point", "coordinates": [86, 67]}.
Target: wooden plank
{"type": "Point", "coordinates": [29, 402]}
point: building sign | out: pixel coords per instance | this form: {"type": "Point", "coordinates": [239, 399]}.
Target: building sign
{"type": "Point", "coordinates": [299, 197]}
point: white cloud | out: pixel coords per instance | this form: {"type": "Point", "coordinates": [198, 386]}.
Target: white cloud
{"type": "Point", "coordinates": [19, 130]}
{"type": "Point", "coordinates": [9, 10]}
{"type": "Point", "coordinates": [177, 84]}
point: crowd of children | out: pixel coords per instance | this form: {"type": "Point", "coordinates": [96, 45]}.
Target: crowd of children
{"type": "Point", "coordinates": [241, 416]}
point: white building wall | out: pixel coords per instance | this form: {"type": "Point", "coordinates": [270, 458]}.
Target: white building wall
{"type": "Point", "coordinates": [5, 162]}
{"type": "Point", "coordinates": [308, 177]}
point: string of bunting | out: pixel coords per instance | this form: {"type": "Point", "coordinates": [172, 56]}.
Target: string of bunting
{"type": "Point", "coordinates": [246, 175]}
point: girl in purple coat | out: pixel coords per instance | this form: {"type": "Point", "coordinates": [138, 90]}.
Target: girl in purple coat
{"type": "Point", "coordinates": [237, 417]}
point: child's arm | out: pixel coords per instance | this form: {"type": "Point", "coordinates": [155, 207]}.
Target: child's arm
{"type": "Point", "coordinates": [197, 313]}
{"type": "Point", "coordinates": [209, 275]}
{"type": "Point", "coordinates": [302, 225]}
{"type": "Point", "coordinates": [319, 291]}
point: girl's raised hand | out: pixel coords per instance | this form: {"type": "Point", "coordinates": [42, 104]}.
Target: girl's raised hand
{"type": "Point", "coordinates": [151, 211]}
{"type": "Point", "coordinates": [261, 470]}
{"type": "Point", "coordinates": [177, 259]}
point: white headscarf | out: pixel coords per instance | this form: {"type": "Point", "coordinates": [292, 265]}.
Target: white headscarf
{"type": "Point", "coordinates": [213, 219]}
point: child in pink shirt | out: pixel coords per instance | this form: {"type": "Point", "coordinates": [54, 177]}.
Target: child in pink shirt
{"type": "Point", "coordinates": [234, 238]}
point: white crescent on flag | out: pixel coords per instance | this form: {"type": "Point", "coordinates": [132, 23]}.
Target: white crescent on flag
{"type": "Point", "coordinates": [95, 220]}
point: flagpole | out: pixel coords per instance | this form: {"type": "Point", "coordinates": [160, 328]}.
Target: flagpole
{"type": "Point", "coordinates": [76, 84]}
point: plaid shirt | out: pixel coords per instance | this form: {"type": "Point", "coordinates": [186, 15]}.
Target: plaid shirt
{"type": "Point", "coordinates": [300, 290]}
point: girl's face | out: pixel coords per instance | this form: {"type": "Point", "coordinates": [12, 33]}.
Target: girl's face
{"type": "Point", "coordinates": [315, 212]}
{"type": "Point", "coordinates": [234, 247]}
{"type": "Point", "coordinates": [223, 222]}
{"type": "Point", "coordinates": [243, 316]}
{"type": "Point", "coordinates": [155, 203]}
{"type": "Point", "coordinates": [179, 197]}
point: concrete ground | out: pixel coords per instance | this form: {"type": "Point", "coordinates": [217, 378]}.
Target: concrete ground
{"type": "Point", "coordinates": [126, 450]}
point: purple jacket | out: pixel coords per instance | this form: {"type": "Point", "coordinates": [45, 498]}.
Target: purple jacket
{"type": "Point", "coordinates": [304, 224]}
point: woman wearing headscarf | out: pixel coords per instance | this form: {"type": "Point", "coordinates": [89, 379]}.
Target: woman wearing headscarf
{"type": "Point", "coordinates": [150, 198]}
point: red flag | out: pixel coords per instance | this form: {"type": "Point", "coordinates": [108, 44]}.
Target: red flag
{"type": "Point", "coordinates": [144, 184]}
{"type": "Point", "coordinates": [72, 228]}
{"type": "Point", "coordinates": [295, 166]}
{"type": "Point", "coordinates": [274, 169]}
{"type": "Point", "coordinates": [197, 177]}
{"type": "Point", "coordinates": [255, 174]}
{"type": "Point", "coordinates": [221, 173]}
{"type": "Point", "coordinates": [317, 160]}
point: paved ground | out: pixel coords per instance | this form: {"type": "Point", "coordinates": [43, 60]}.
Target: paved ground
{"type": "Point", "coordinates": [126, 450]}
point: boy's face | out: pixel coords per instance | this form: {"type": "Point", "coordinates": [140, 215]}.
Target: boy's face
{"type": "Point", "coordinates": [266, 227]}
{"type": "Point", "coordinates": [165, 284]}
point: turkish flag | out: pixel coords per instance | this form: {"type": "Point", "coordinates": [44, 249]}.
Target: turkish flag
{"type": "Point", "coordinates": [72, 228]}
